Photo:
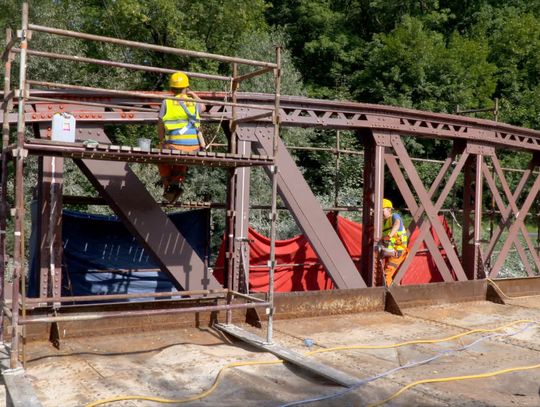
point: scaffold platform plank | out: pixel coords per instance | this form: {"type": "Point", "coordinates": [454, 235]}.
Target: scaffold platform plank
{"type": "Point", "coordinates": [106, 152]}
{"type": "Point", "coordinates": [287, 355]}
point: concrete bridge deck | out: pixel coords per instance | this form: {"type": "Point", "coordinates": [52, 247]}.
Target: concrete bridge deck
{"type": "Point", "coordinates": [181, 363]}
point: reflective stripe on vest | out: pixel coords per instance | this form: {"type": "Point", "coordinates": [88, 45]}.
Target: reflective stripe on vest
{"type": "Point", "coordinates": [400, 240]}
{"type": "Point", "coordinates": [181, 122]}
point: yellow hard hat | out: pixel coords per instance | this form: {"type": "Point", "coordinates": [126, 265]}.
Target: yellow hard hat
{"type": "Point", "coordinates": [386, 203]}
{"type": "Point", "coordinates": [179, 80]}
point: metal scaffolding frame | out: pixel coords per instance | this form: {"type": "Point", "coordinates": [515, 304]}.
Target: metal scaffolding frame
{"type": "Point", "coordinates": [51, 156]}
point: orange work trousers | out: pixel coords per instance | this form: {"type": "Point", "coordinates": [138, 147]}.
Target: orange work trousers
{"type": "Point", "coordinates": [391, 266]}
{"type": "Point", "coordinates": [174, 174]}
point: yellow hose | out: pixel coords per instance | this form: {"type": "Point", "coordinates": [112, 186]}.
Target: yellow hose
{"type": "Point", "coordinates": [397, 345]}
{"type": "Point", "coordinates": [452, 379]}
{"type": "Point", "coordinates": [187, 399]}
{"type": "Point", "coordinates": [339, 348]}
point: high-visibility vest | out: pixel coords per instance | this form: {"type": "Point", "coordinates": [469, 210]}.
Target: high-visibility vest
{"type": "Point", "coordinates": [400, 239]}
{"type": "Point", "coordinates": [181, 121]}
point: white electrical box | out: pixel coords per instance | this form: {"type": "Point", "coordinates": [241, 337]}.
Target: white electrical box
{"type": "Point", "coordinates": [63, 127]}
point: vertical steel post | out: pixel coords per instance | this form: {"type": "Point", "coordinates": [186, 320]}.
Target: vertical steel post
{"type": "Point", "coordinates": [336, 178]}
{"type": "Point", "coordinates": [273, 214]}
{"type": "Point", "coordinates": [241, 253]}
{"type": "Point", "coordinates": [8, 105]}
{"type": "Point", "coordinates": [3, 226]}
{"type": "Point", "coordinates": [8, 101]}
{"type": "Point", "coordinates": [18, 251]}
{"type": "Point", "coordinates": [368, 192]}
{"type": "Point", "coordinates": [377, 275]}
{"type": "Point", "coordinates": [478, 263]}
{"type": "Point", "coordinates": [467, 248]}
{"type": "Point", "coordinates": [229, 254]}
{"type": "Point", "coordinates": [231, 195]}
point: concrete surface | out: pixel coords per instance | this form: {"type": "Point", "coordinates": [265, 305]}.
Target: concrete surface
{"type": "Point", "coordinates": [182, 363]}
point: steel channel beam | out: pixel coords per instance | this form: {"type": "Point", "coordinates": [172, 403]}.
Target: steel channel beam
{"type": "Point", "coordinates": [241, 227]}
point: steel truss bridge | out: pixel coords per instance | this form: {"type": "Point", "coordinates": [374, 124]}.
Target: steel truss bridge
{"type": "Point", "coordinates": [252, 123]}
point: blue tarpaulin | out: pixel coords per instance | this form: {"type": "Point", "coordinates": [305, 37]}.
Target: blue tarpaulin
{"type": "Point", "coordinates": [102, 257]}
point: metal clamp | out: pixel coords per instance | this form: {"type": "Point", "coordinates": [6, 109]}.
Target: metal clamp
{"type": "Point", "coordinates": [19, 152]}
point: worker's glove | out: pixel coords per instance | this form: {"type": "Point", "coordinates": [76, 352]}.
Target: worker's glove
{"type": "Point", "coordinates": [386, 241]}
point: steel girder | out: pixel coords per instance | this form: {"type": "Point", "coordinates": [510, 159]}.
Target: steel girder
{"type": "Point", "coordinates": [479, 136]}
{"type": "Point", "coordinates": [299, 112]}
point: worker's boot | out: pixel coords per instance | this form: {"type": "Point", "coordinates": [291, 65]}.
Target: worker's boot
{"type": "Point", "coordinates": [172, 193]}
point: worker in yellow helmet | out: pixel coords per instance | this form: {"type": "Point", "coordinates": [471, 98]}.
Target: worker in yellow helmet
{"type": "Point", "coordinates": [394, 241]}
{"type": "Point", "coordinates": [179, 129]}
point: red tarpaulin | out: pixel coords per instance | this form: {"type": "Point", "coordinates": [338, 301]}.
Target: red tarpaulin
{"type": "Point", "coordinates": [298, 267]}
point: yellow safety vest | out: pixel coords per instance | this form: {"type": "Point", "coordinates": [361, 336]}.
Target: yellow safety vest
{"type": "Point", "coordinates": [400, 239]}
{"type": "Point", "coordinates": [181, 122]}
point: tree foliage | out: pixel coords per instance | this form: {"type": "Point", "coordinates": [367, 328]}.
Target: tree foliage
{"type": "Point", "coordinates": [436, 55]}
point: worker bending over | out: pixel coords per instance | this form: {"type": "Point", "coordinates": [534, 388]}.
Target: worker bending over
{"type": "Point", "coordinates": [394, 241]}
{"type": "Point", "coordinates": [178, 129]}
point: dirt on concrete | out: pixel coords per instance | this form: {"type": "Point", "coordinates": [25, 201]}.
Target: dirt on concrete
{"type": "Point", "coordinates": [182, 363]}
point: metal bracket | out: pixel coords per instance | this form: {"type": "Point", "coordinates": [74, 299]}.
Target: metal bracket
{"type": "Point", "coordinates": [480, 149]}
{"type": "Point", "coordinates": [382, 138]}
{"type": "Point", "coordinates": [24, 34]}
{"type": "Point", "coordinates": [19, 152]}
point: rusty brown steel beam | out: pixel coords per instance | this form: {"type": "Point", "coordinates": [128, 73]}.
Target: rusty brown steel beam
{"type": "Point", "coordinates": [497, 197]}
{"type": "Point", "coordinates": [126, 93]}
{"type": "Point", "coordinates": [301, 304]}
{"type": "Point", "coordinates": [305, 112]}
{"type": "Point", "coordinates": [505, 215]}
{"type": "Point", "coordinates": [514, 207]}
{"type": "Point", "coordinates": [514, 228]}
{"type": "Point", "coordinates": [393, 166]}
{"type": "Point", "coordinates": [305, 208]}
{"type": "Point", "coordinates": [430, 209]}
{"type": "Point", "coordinates": [73, 103]}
